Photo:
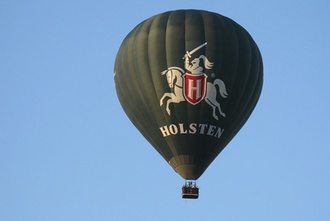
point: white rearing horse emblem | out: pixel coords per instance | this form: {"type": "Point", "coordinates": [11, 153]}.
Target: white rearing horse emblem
{"type": "Point", "coordinates": [174, 76]}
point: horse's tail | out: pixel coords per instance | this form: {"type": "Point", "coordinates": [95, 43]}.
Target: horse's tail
{"type": "Point", "coordinates": [222, 87]}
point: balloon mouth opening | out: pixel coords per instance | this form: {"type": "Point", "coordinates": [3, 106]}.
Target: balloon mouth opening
{"type": "Point", "coordinates": [185, 166]}
{"type": "Point", "coordinates": [188, 172]}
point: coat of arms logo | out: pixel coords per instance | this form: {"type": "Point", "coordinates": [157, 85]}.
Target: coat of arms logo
{"type": "Point", "coordinates": [191, 84]}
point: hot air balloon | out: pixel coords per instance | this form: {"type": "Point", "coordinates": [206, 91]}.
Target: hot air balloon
{"type": "Point", "coordinates": [188, 80]}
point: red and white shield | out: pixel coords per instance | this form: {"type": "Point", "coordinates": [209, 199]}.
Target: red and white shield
{"type": "Point", "coordinates": [194, 87]}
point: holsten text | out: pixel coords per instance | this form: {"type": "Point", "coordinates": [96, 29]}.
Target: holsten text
{"type": "Point", "coordinates": [193, 128]}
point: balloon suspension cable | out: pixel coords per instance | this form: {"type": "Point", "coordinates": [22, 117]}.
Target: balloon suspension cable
{"type": "Point", "coordinates": [190, 190]}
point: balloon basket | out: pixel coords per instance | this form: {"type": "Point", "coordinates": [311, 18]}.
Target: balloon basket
{"type": "Point", "coordinates": [190, 190]}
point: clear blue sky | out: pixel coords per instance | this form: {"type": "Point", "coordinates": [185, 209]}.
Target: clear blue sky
{"type": "Point", "coordinates": [68, 151]}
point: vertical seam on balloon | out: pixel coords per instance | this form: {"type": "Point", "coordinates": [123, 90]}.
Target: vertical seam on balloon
{"type": "Point", "coordinates": [169, 140]}
{"type": "Point", "coordinates": [185, 47]}
{"type": "Point", "coordinates": [130, 92]}
{"type": "Point", "coordinates": [168, 147]}
{"type": "Point", "coordinates": [145, 122]}
{"type": "Point", "coordinates": [201, 115]}
{"type": "Point", "coordinates": [173, 113]}
{"type": "Point", "coordinates": [254, 95]}
{"type": "Point", "coordinates": [233, 121]}
{"type": "Point", "coordinates": [258, 82]}
{"type": "Point", "coordinates": [173, 106]}
{"type": "Point", "coordinates": [217, 19]}
{"type": "Point", "coordinates": [154, 120]}
{"type": "Point", "coordinates": [246, 112]}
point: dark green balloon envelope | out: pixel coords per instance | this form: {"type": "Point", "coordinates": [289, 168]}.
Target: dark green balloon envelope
{"type": "Point", "coordinates": [188, 80]}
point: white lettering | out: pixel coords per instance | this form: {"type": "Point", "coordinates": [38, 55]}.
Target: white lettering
{"type": "Point", "coordinates": [211, 130]}
{"type": "Point", "coordinates": [192, 128]}
{"type": "Point", "coordinates": [219, 132]}
{"type": "Point", "coordinates": [173, 129]}
{"type": "Point", "coordinates": [164, 131]}
{"type": "Point", "coordinates": [182, 129]}
{"type": "Point", "coordinates": [196, 88]}
{"type": "Point", "coordinates": [202, 128]}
